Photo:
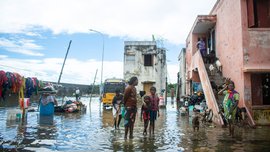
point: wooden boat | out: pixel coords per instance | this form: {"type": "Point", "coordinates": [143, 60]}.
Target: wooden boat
{"type": "Point", "coordinates": [73, 107]}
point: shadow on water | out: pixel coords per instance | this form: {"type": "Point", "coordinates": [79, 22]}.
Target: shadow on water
{"type": "Point", "coordinates": [94, 131]}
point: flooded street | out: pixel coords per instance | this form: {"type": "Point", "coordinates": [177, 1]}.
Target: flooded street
{"type": "Point", "coordinates": [93, 131]}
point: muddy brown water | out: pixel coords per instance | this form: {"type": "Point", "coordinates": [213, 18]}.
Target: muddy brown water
{"type": "Point", "coordinates": [93, 131]}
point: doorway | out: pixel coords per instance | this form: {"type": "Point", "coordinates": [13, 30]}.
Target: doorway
{"type": "Point", "coordinates": [260, 83]}
{"type": "Point", "coordinates": [147, 86]}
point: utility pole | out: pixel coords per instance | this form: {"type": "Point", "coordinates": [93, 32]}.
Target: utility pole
{"type": "Point", "coordinates": [64, 62]}
{"type": "Point", "coordinates": [102, 59]}
{"type": "Point", "coordinates": [93, 88]}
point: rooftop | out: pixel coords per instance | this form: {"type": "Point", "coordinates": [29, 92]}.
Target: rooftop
{"type": "Point", "coordinates": [146, 43]}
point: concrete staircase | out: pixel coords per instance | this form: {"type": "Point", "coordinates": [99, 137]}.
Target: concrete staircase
{"type": "Point", "coordinates": [198, 65]}
{"type": "Point", "coordinates": [205, 77]}
{"type": "Point", "coordinates": [218, 79]}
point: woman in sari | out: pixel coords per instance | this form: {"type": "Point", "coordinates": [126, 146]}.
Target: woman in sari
{"type": "Point", "coordinates": [230, 104]}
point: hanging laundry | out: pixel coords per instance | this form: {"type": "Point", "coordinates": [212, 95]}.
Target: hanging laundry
{"type": "Point", "coordinates": [22, 88]}
{"type": "Point", "coordinates": [29, 87]}
{"type": "Point", "coordinates": [11, 79]}
{"type": "Point", "coordinates": [3, 83]}
{"type": "Point", "coordinates": [16, 87]}
{"type": "Point", "coordinates": [35, 84]}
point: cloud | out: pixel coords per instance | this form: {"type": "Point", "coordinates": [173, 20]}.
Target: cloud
{"type": "Point", "coordinates": [173, 69]}
{"type": "Point", "coordinates": [75, 71]}
{"type": "Point", "coordinates": [22, 46]}
{"type": "Point", "coordinates": [170, 21]}
{"type": "Point", "coordinates": [137, 19]}
{"type": "Point", "coordinates": [3, 56]}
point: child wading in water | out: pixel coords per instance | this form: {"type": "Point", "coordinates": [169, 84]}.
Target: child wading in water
{"type": "Point", "coordinates": [145, 113]}
{"type": "Point", "coordinates": [117, 102]}
{"type": "Point", "coordinates": [154, 100]}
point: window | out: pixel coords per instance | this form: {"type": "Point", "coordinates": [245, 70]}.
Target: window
{"type": "Point", "coordinates": [258, 13]}
{"type": "Point", "coordinates": [148, 60]}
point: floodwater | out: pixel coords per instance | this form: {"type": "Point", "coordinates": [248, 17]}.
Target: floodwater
{"type": "Point", "coordinates": [93, 131]}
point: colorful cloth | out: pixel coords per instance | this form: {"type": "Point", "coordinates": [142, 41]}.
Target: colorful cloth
{"type": "Point", "coordinates": [130, 116]}
{"type": "Point", "coordinates": [3, 83]}
{"type": "Point", "coordinates": [154, 99]}
{"type": "Point", "coordinates": [123, 111]}
{"type": "Point", "coordinates": [229, 102]}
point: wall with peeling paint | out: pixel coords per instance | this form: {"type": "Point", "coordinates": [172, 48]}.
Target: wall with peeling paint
{"type": "Point", "coordinates": [229, 42]}
{"type": "Point", "coordinates": [240, 49]}
{"type": "Point", "coordinates": [155, 73]}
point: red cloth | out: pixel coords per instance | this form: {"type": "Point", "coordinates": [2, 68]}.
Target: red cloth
{"type": "Point", "coordinates": [3, 80]}
{"type": "Point", "coordinates": [154, 102]}
{"type": "Point", "coordinates": [146, 113]}
{"type": "Point", "coordinates": [18, 82]}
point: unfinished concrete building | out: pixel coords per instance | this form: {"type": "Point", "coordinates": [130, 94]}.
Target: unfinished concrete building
{"type": "Point", "coordinates": [146, 61]}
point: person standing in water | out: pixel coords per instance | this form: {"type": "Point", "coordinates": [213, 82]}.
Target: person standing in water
{"type": "Point", "coordinates": [154, 112]}
{"type": "Point", "coordinates": [130, 103]}
{"type": "Point", "coordinates": [117, 101]}
{"type": "Point", "coordinates": [172, 96]}
{"type": "Point", "coordinates": [77, 94]}
{"type": "Point", "coordinates": [230, 104]}
{"type": "Point", "coordinates": [145, 113]}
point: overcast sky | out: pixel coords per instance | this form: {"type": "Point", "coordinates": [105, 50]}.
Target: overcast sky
{"type": "Point", "coordinates": [34, 34]}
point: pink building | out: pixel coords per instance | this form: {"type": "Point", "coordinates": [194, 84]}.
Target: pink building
{"type": "Point", "coordinates": [237, 32]}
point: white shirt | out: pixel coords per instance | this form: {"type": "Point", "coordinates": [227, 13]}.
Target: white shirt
{"type": "Point", "coordinates": [77, 91]}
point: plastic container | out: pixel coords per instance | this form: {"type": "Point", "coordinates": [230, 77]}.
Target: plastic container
{"type": "Point", "coordinates": [47, 110]}
{"type": "Point", "coordinates": [14, 114]}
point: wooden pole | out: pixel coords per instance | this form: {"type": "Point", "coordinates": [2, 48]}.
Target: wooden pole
{"type": "Point", "coordinates": [64, 62]}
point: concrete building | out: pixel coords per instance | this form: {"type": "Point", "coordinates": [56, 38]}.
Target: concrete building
{"type": "Point", "coordinates": [146, 61]}
{"type": "Point", "coordinates": [181, 82]}
{"type": "Point", "coordinates": [238, 33]}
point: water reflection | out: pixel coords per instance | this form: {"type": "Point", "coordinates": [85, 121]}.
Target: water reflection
{"type": "Point", "coordinates": [94, 131]}
{"type": "Point", "coordinates": [45, 120]}
{"type": "Point", "coordinates": [107, 118]}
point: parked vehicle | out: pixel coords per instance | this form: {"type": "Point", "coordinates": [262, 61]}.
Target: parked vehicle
{"type": "Point", "coordinates": [110, 85]}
